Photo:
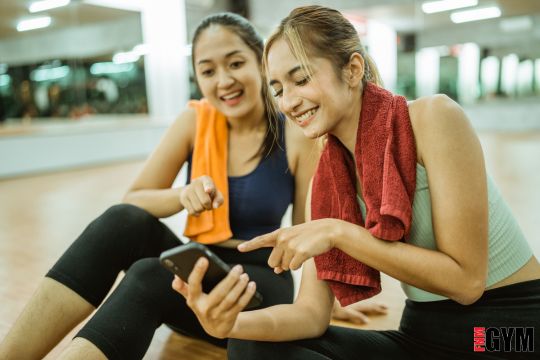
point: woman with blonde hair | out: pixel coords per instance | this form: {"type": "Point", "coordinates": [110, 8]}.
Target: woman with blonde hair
{"type": "Point", "coordinates": [400, 188]}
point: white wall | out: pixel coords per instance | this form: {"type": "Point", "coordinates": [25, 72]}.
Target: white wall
{"type": "Point", "coordinates": [59, 147]}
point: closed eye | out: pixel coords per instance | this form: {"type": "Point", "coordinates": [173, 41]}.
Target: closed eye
{"type": "Point", "coordinates": [277, 93]}
{"type": "Point", "coordinates": [302, 82]}
{"type": "Point", "coordinates": [236, 64]}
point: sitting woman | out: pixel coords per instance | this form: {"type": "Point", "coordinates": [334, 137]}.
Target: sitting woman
{"type": "Point", "coordinates": [400, 188]}
{"type": "Point", "coordinates": [246, 168]}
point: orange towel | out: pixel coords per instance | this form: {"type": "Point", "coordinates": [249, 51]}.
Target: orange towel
{"type": "Point", "coordinates": [210, 158]}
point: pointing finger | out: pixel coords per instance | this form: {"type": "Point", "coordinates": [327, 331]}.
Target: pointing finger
{"type": "Point", "coordinates": [267, 240]}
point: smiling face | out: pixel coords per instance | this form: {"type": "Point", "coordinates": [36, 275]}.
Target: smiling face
{"type": "Point", "coordinates": [316, 103]}
{"type": "Point", "coordinates": [228, 73]}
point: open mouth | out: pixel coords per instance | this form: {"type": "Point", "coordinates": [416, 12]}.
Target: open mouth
{"type": "Point", "coordinates": [305, 118]}
{"type": "Point", "coordinates": [232, 98]}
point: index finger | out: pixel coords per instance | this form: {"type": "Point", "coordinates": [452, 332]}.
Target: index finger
{"type": "Point", "coordinates": [208, 185]}
{"type": "Point", "coordinates": [266, 240]}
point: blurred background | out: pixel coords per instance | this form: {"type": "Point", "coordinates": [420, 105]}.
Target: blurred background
{"type": "Point", "coordinates": [87, 88]}
{"type": "Point", "coordinates": [95, 66]}
{"type": "Point", "coordinates": [89, 67]}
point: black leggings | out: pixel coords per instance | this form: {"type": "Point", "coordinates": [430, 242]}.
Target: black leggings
{"type": "Point", "coordinates": [128, 238]}
{"type": "Point", "coordinates": [432, 331]}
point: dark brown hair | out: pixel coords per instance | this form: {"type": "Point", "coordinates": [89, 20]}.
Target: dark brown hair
{"type": "Point", "coordinates": [245, 30]}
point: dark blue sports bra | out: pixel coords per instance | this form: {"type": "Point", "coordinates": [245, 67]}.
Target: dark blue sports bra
{"type": "Point", "coordinates": [258, 200]}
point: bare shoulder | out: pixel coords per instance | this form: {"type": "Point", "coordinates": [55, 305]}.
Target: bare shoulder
{"type": "Point", "coordinates": [434, 118]}
{"type": "Point", "coordinates": [182, 130]}
{"type": "Point", "coordinates": [187, 120]}
{"type": "Point", "coordinates": [435, 109]}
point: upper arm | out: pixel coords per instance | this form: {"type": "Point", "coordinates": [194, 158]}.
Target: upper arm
{"type": "Point", "coordinates": [303, 154]}
{"type": "Point", "coordinates": [163, 165]}
{"type": "Point", "coordinates": [452, 155]}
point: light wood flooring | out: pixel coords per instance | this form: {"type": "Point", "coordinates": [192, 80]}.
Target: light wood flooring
{"type": "Point", "coordinates": [41, 215]}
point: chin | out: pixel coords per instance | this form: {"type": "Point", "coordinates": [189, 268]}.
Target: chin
{"type": "Point", "coordinates": [235, 112]}
{"type": "Point", "coordinates": [313, 132]}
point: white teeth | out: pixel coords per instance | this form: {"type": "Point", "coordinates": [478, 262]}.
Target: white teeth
{"type": "Point", "coordinates": [306, 115]}
{"type": "Point", "coordinates": [232, 96]}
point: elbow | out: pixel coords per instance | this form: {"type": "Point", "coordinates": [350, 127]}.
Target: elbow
{"type": "Point", "coordinates": [470, 292]}
{"type": "Point", "coordinates": [128, 198]}
{"type": "Point", "coordinates": [318, 324]}
{"type": "Point", "coordinates": [321, 327]}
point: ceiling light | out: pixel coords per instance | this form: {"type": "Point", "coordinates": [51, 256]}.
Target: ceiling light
{"type": "Point", "coordinates": [46, 74]}
{"type": "Point", "coordinates": [110, 68]}
{"type": "Point", "coordinates": [47, 5]}
{"type": "Point", "coordinates": [125, 57]}
{"type": "Point", "coordinates": [445, 5]}
{"type": "Point", "coordinates": [5, 80]}
{"type": "Point", "coordinates": [476, 14]}
{"type": "Point", "coordinates": [35, 23]}
{"type": "Point", "coordinates": [516, 23]}
{"type": "Point", "coordinates": [129, 5]}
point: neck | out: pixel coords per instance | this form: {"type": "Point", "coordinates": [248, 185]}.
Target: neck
{"type": "Point", "coordinates": [347, 128]}
{"type": "Point", "coordinates": [250, 122]}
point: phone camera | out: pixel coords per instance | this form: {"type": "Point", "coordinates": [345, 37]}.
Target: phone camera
{"type": "Point", "coordinates": [169, 263]}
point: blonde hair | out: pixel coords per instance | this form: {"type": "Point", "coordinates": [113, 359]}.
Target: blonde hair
{"type": "Point", "coordinates": [319, 31]}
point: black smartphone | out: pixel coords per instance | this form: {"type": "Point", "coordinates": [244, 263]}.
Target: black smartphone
{"type": "Point", "coordinates": [181, 260]}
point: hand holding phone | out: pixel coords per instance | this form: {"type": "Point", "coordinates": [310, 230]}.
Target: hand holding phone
{"type": "Point", "coordinates": [181, 261]}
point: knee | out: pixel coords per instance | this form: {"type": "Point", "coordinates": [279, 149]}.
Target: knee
{"type": "Point", "coordinates": [248, 349]}
{"type": "Point", "coordinates": [125, 215]}
{"type": "Point", "coordinates": [123, 219]}
{"type": "Point", "coordinates": [149, 278]}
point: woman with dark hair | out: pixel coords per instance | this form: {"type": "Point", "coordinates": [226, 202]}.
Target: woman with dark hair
{"type": "Point", "coordinates": [400, 188]}
{"type": "Point", "coordinates": [230, 130]}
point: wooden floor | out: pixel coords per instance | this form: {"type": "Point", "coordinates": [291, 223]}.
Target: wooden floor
{"type": "Point", "coordinates": [41, 215]}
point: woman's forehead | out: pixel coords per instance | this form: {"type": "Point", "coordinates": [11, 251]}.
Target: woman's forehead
{"type": "Point", "coordinates": [216, 42]}
{"type": "Point", "coordinates": [280, 58]}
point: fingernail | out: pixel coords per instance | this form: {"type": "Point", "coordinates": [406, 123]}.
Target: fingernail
{"type": "Point", "coordinates": [215, 205]}
{"type": "Point", "coordinates": [237, 269]}
{"type": "Point", "coordinates": [244, 277]}
{"type": "Point", "coordinates": [200, 262]}
{"type": "Point", "coordinates": [251, 285]}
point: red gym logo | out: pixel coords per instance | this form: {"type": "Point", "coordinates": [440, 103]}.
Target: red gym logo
{"type": "Point", "coordinates": [504, 339]}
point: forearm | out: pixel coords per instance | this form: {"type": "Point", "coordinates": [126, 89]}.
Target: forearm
{"type": "Point", "coordinates": [430, 270]}
{"type": "Point", "coordinates": [279, 323]}
{"type": "Point", "coordinates": [159, 202]}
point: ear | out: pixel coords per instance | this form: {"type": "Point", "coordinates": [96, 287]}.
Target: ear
{"type": "Point", "coordinates": [354, 72]}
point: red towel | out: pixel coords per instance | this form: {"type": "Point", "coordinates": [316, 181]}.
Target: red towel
{"type": "Point", "coordinates": [385, 154]}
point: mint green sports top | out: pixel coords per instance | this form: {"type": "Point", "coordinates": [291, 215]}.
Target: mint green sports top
{"type": "Point", "coordinates": [508, 249]}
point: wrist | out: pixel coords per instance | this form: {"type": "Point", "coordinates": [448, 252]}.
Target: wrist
{"type": "Point", "coordinates": [234, 333]}
{"type": "Point", "coordinates": [343, 232]}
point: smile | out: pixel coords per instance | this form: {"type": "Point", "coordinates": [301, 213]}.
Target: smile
{"type": "Point", "coordinates": [305, 118]}
{"type": "Point", "coordinates": [232, 96]}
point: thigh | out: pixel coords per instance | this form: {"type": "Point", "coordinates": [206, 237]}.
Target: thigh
{"type": "Point", "coordinates": [275, 289]}
{"type": "Point", "coordinates": [338, 343]}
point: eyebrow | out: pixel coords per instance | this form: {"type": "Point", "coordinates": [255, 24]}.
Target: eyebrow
{"type": "Point", "coordinates": [290, 73]}
{"type": "Point", "coordinates": [227, 55]}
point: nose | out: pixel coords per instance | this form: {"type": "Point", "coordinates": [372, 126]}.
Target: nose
{"type": "Point", "coordinates": [289, 101]}
{"type": "Point", "coordinates": [225, 80]}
